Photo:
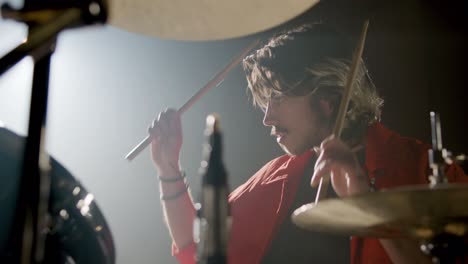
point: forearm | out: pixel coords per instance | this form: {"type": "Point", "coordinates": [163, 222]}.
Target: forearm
{"type": "Point", "coordinates": [179, 212]}
{"type": "Point", "coordinates": [404, 251]}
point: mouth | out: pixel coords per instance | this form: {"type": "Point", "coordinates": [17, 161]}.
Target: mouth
{"type": "Point", "coordinates": [280, 138]}
{"type": "Point", "coordinates": [279, 133]}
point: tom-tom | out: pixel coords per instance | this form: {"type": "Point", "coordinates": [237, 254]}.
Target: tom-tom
{"type": "Point", "coordinates": [77, 231]}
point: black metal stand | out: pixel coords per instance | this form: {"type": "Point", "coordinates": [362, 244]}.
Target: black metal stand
{"type": "Point", "coordinates": [28, 238]}
{"type": "Point", "coordinates": [33, 189]}
{"type": "Point", "coordinates": [445, 248]}
{"type": "Point", "coordinates": [442, 248]}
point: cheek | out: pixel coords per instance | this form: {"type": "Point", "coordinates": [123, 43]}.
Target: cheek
{"type": "Point", "coordinates": [311, 132]}
{"type": "Point", "coordinates": [307, 119]}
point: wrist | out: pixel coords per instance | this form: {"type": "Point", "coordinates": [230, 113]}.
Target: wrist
{"type": "Point", "coordinates": [168, 179]}
{"type": "Point", "coordinates": [169, 171]}
{"type": "Point", "coordinates": [175, 195]}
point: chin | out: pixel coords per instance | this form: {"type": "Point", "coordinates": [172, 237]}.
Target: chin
{"type": "Point", "coordinates": [292, 150]}
{"type": "Point", "coordinates": [286, 150]}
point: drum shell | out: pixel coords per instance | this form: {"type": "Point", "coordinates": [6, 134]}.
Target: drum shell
{"type": "Point", "coordinates": [77, 231]}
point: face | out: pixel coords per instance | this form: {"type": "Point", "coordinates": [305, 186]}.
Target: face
{"type": "Point", "coordinates": [296, 125]}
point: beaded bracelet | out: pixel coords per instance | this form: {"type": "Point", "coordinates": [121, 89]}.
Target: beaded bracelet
{"type": "Point", "coordinates": [181, 177]}
{"type": "Point", "coordinates": [175, 195]}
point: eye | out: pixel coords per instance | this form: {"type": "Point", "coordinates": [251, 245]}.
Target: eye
{"type": "Point", "coordinates": [276, 99]}
{"type": "Point", "coordinates": [273, 101]}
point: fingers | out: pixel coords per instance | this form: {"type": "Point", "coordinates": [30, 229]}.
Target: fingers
{"type": "Point", "coordinates": [327, 141]}
{"type": "Point", "coordinates": [153, 130]}
{"type": "Point", "coordinates": [322, 170]}
{"type": "Point", "coordinates": [167, 124]}
{"type": "Point", "coordinates": [334, 158]}
{"type": "Point", "coordinates": [163, 122]}
{"type": "Point", "coordinates": [338, 163]}
{"type": "Point", "coordinates": [172, 117]}
{"type": "Point", "coordinates": [336, 150]}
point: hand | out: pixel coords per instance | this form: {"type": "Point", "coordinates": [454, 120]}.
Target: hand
{"type": "Point", "coordinates": [166, 142]}
{"type": "Point", "coordinates": [336, 160]}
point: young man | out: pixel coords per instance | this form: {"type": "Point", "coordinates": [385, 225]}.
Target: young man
{"type": "Point", "coordinates": [297, 79]}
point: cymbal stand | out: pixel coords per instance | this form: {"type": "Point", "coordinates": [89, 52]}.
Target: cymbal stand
{"type": "Point", "coordinates": [445, 247]}
{"type": "Point", "coordinates": [437, 155]}
{"type": "Point", "coordinates": [45, 20]}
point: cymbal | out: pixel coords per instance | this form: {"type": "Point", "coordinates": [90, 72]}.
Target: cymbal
{"type": "Point", "coordinates": [418, 212]}
{"type": "Point", "coordinates": [203, 20]}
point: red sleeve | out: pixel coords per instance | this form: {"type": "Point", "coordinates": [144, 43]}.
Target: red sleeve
{"type": "Point", "coordinates": [185, 255]}
{"type": "Point", "coordinates": [455, 174]}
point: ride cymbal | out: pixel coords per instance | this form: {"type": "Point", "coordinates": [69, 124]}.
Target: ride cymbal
{"type": "Point", "coordinates": [203, 20]}
{"type": "Point", "coordinates": [414, 211]}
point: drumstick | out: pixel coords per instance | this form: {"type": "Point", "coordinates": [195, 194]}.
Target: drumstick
{"type": "Point", "coordinates": [324, 184]}
{"type": "Point", "coordinates": [212, 83]}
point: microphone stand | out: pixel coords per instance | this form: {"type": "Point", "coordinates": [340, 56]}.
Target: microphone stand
{"type": "Point", "coordinates": [45, 23]}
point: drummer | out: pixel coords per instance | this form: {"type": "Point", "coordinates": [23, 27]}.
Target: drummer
{"type": "Point", "coordinates": [297, 79]}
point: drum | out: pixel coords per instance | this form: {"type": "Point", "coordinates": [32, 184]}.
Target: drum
{"type": "Point", "coordinates": [77, 231]}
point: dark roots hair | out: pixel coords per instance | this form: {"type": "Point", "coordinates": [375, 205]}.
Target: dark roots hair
{"type": "Point", "coordinates": [312, 60]}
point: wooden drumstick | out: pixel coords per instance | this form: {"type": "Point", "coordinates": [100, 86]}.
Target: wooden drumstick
{"type": "Point", "coordinates": [212, 83]}
{"type": "Point", "coordinates": [324, 184]}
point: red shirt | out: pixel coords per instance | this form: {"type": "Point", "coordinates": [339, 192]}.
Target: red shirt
{"type": "Point", "coordinates": [260, 205]}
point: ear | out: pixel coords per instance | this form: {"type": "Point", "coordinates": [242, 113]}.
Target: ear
{"type": "Point", "coordinates": [327, 108]}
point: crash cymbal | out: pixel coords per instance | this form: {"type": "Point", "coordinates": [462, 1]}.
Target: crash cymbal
{"type": "Point", "coordinates": [414, 211]}
{"type": "Point", "coordinates": [203, 20]}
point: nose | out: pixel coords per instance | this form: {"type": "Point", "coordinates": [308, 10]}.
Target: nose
{"type": "Point", "coordinates": [269, 118]}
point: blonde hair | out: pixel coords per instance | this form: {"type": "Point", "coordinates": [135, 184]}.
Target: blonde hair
{"type": "Point", "coordinates": [365, 104]}
{"type": "Point", "coordinates": [312, 60]}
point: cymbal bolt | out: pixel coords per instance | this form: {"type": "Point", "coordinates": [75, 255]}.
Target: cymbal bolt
{"type": "Point", "coordinates": [94, 9]}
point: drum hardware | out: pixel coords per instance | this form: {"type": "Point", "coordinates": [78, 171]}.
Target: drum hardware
{"type": "Point", "coordinates": [45, 21]}
{"type": "Point", "coordinates": [77, 232]}
{"type": "Point", "coordinates": [433, 214]}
